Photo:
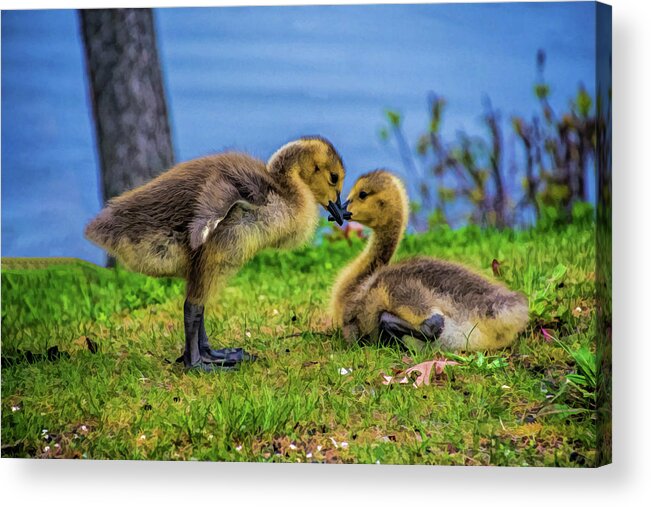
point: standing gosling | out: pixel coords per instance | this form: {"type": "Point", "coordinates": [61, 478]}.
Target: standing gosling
{"type": "Point", "coordinates": [203, 219]}
{"type": "Point", "coordinates": [423, 297]}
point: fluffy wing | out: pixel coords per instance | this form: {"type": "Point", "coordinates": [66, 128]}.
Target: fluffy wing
{"type": "Point", "coordinates": [207, 218]}
{"type": "Point", "coordinates": [221, 195]}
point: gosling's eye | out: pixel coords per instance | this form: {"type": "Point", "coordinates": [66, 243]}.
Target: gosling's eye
{"type": "Point", "coordinates": [362, 195]}
{"type": "Point", "coordinates": [316, 169]}
{"type": "Point", "coordinates": [334, 178]}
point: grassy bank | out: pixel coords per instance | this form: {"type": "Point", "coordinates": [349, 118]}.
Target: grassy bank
{"type": "Point", "coordinates": [88, 365]}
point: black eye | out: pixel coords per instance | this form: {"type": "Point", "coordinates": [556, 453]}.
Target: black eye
{"type": "Point", "coordinates": [316, 168]}
{"type": "Point", "coordinates": [363, 195]}
{"type": "Point", "coordinates": [334, 178]}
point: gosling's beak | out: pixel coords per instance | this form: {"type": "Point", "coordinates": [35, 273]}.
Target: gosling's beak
{"type": "Point", "coordinates": [337, 210]}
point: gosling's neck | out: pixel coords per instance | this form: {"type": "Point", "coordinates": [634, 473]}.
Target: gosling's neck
{"type": "Point", "coordinates": [381, 246]}
{"type": "Point", "coordinates": [299, 217]}
{"type": "Point", "coordinates": [379, 250]}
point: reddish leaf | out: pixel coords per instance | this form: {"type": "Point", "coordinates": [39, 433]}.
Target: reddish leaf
{"type": "Point", "coordinates": [548, 337]}
{"type": "Point", "coordinates": [353, 229]}
{"type": "Point", "coordinates": [425, 370]}
{"type": "Point", "coordinates": [496, 268]}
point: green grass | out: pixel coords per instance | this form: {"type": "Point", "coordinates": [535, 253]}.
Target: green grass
{"type": "Point", "coordinates": [531, 404]}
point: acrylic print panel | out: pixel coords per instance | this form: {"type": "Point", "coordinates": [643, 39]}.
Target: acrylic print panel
{"type": "Point", "coordinates": [340, 234]}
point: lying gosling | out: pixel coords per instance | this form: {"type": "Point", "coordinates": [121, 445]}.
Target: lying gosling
{"type": "Point", "coordinates": [204, 219]}
{"type": "Point", "coordinates": [426, 298]}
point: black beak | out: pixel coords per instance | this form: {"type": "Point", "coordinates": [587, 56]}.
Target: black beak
{"type": "Point", "coordinates": [338, 212]}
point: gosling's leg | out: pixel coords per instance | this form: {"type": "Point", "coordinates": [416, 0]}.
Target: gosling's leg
{"type": "Point", "coordinates": [208, 354]}
{"type": "Point", "coordinates": [393, 328]}
{"type": "Point", "coordinates": [396, 327]}
{"type": "Point", "coordinates": [204, 278]}
{"type": "Point", "coordinates": [192, 356]}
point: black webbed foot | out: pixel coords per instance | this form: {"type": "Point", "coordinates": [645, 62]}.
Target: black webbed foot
{"type": "Point", "coordinates": [208, 365]}
{"type": "Point", "coordinates": [208, 354]}
{"type": "Point", "coordinates": [214, 366]}
{"type": "Point", "coordinates": [232, 354]}
{"type": "Point", "coordinates": [433, 327]}
{"type": "Point", "coordinates": [393, 328]}
{"type": "Point", "coordinates": [198, 354]}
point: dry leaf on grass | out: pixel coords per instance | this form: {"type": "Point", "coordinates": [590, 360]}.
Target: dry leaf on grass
{"type": "Point", "coordinates": [425, 370]}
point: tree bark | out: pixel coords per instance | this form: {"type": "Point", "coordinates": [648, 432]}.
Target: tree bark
{"type": "Point", "coordinates": [128, 99]}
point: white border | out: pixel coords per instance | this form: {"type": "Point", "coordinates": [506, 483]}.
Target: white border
{"type": "Point", "coordinates": [624, 483]}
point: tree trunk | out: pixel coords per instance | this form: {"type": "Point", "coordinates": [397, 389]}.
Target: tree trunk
{"type": "Point", "coordinates": [126, 90]}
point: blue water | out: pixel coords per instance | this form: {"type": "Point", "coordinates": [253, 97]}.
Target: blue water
{"type": "Point", "coordinates": [254, 78]}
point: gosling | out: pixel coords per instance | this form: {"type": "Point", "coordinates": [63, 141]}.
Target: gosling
{"type": "Point", "coordinates": [425, 298]}
{"type": "Point", "coordinates": [202, 220]}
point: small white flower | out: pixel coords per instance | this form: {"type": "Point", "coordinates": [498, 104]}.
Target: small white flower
{"type": "Point", "coordinates": [344, 371]}
{"type": "Point", "coordinates": [292, 447]}
{"type": "Point", "coordinates": [377, 462]}
{"type": "Point", "coordinates": [276, 312]}
{"type": "Point", "coordinates": [344, 445]}
{"type": "Point", "coordinates": [83, 427]}
{"type": "Point", "coordinates": [578, 309]}
{"type": "Point", "coordinates": [238, 448]}
{"type": "Point", "coordinates": [248, 334]}
{"type": "Point", "coordinates": [143, 437]}
{"type": "Point", "coordinates": [319, 447]}
{"type": "Point", "coordinates": [308, 455]}
{"type": "Point", "coordinates": [211, 436]}
{"type": "Point", "coordinates": [505, 387]}
{"type": "Point", "coordinates": [46, 448]}
{"type": "Point", "coordinates": [57, 445]}
{"type": "Point", "coordinates": [43, 432]}
{"type": "Point", "coordinates": [15, 408]}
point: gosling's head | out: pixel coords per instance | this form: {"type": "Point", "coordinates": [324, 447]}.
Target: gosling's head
{"type": "Point", "coordinates": [379, 201]}
{"type": "Point", "coordinates": [316, 162]}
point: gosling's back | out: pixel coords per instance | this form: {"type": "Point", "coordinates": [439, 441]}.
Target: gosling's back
{"type": "Point", "coordinates": [467, 290]}
{"type": "Point", "coordinates": [148, 228]}
{"type": "Point", "coordinates": [478, 313]}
